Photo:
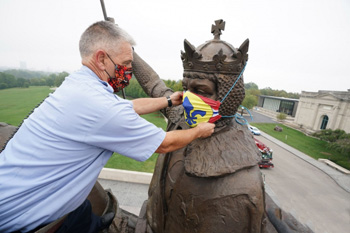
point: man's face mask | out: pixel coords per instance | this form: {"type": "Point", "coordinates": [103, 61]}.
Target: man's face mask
{"type": "Point", "coordinates": [122, 77]}
{"type": "Point", "coordinates": [199, 109]}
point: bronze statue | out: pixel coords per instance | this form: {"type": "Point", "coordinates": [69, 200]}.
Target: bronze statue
{"type": "Point", "coordinates": [214, 184]}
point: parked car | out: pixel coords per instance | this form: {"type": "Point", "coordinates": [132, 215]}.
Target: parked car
{"type": "Point", "coordinates": [254, 130]}
{"type": "Point", "coordinates": [266, 154]}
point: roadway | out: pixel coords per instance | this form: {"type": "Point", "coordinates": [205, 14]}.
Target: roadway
{"type": "Point", "coordinates": [306, 189]}
{"type": "Point", "coordinates": [307, 192]}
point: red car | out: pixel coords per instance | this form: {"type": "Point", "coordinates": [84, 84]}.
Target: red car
{"type": "Point", "coordinates": [266, 154]}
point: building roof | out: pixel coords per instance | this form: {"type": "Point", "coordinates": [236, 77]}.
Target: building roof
{"type": "Point", "coordinates": [341, 95]}
{"type": "Point", "coordinates": [279, 98]}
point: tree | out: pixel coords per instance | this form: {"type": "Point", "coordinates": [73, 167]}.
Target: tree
{"type": "Point", "coordinates": [280, 93]}
{"type": "Point", "coordinates": [251, 85]}
{"type": "Point", "coordinates": [3, 86]}
{"type": "Point", "coordinates": [60, 78]}
{"type": "Point", "coordinates": [250, 101]}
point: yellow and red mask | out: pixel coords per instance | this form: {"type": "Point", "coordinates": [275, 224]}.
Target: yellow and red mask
{"type": "Point", "coordinates": [199, 109]}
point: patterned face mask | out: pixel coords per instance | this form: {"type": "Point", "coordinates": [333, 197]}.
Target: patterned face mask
{"type": "Point", "coordinates": [199, 109]}
{"type": "Point", "coordinates": [122, 77]}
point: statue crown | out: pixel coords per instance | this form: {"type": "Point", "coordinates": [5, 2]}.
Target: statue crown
{"type": "Point", "coordinates": [216, 55]}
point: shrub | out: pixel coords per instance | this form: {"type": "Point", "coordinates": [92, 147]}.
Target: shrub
{"type": "Point", "coordinates": [330, 135]}
{"type": "Point", "coordinates": [282, 116]}
{"type": "Point", "coordinates": [341, 145]}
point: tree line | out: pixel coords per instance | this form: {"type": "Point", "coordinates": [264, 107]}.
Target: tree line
{"type": "Point", "coordinates": [23, 79]}
{"type": "Point", "coordinates": [252, 92]}
{"type": "Point", "coordinates": [134, 89]}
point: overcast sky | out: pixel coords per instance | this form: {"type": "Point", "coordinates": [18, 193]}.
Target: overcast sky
{"type": "Point", "coordinates": [295, 45]}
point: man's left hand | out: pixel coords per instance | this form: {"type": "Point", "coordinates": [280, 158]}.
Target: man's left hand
{"type": "Point", "coordinates": [176, 98]}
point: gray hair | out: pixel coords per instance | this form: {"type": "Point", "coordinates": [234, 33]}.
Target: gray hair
{"type": "Point", "coordinates": [102, 35]}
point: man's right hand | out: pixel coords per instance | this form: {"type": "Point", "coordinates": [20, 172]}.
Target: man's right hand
{"type": "Point", "coordinates": [180, 138]}
{"type": "Point", "coordinates": [205, 129]}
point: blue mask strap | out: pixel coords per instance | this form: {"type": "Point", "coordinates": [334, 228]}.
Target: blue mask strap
{"type": "Point", "coordinates": [238, 117]}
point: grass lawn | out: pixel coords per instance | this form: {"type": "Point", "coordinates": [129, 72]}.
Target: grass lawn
{"type": "Point", "coordinates": [17, 103]}
{"type": "Point", "coordinates": [308, 145]}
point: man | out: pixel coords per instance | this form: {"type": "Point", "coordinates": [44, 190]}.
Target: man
{"type": "Point", "coordinates": [51, 164]}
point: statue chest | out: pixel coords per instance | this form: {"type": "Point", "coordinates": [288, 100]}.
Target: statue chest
{"type": "Point", "coordinates": [211, 204]}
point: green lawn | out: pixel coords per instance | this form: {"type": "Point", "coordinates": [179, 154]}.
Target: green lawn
{"type": "Point", "coordinates": [17, 103]}
{"type": "Point", "coordinates": [308, 145]}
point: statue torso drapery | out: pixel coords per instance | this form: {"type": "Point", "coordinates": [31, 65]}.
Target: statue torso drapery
{"type": "Point", "coordinates": [213, 184]}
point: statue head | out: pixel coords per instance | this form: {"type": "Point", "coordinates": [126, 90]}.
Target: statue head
{"type": "Point", "coordinates": [213, 68]}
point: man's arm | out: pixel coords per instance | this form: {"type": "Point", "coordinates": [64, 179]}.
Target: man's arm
{"type": "Point", "coordinates": [180, 138]}
{"type": "Point", "coordinates": [148, 105]}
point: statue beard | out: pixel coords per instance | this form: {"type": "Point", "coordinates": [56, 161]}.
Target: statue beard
{"type": "Point", "coordinates": [227, 151]}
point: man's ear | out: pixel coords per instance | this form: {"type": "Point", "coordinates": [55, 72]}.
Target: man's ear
{"type": "Point", "coordinates": [100, 58]}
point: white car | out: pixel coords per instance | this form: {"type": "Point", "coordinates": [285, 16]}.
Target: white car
{"type": "Point", "coordinates": [254, 130]}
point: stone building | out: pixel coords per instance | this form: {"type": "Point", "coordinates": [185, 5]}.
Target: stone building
{"type": "Point", "coordinates": [324, 110]}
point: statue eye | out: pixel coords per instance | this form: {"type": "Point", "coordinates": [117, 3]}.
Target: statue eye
{"type": "Point", "coordinates": [200, 92]}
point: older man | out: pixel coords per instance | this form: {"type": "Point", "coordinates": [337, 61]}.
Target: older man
{"type": "Point", "coordinates": [50, 165]}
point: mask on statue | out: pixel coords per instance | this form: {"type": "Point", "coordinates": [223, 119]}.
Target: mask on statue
{"type": "Point", "coordinates": [122, 77]}
{"type": "Point", "coordinates": [199, 109]}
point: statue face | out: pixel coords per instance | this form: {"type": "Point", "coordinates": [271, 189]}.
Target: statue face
{"type": "Point", "coordinates": [203, 87]}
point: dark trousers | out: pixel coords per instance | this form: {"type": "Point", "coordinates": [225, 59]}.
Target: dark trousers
{"type": "Point", "coordinates": [81, 220]}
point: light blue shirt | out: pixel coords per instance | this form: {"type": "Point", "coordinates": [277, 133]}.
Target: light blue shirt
{"type": "Point", "coordinates": [51, 164]}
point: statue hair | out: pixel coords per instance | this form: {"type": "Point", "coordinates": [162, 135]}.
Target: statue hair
{"type": "Point", "coordinates": [200, 75]}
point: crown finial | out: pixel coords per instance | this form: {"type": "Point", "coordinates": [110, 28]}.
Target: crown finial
{"type": "Point", "coordinates": [216, 29]}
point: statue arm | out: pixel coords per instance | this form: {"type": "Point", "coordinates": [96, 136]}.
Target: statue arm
{"type": "Point", "coordinates": [149, 79]}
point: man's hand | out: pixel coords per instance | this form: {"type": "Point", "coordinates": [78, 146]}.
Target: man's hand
{"type": "Point", "coordinates": [176, 98]}
{"type": "Point", "coordinates": [180, 138]}
{"type": "Point", "coordinates": [205, 129]}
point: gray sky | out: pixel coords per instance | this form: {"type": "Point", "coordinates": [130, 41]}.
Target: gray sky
{"type": "Point", "coordinates": [295, 45]}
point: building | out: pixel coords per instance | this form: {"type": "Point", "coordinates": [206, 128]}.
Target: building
{"type": "Point", "coordinates": [279, 104]}
{"type": "Point", "coordinates": [324, 110]}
